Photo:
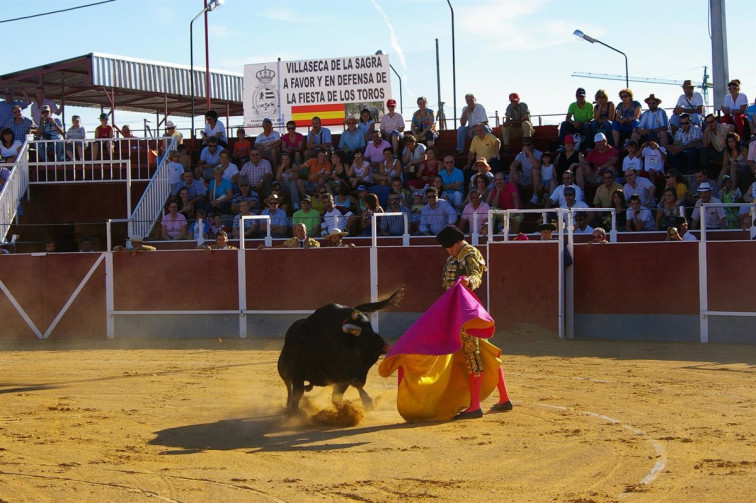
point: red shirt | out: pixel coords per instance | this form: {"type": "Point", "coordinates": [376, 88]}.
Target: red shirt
{"type": "Point", "coordinates": [596, 158]}
{"type": "Point", "coordinates": [504, 200]}
{"type": "Point", "coordinates": [103, 131]}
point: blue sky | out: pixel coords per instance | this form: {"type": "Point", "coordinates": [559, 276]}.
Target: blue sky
{"type": "Point", "coordinates": [502, 46]}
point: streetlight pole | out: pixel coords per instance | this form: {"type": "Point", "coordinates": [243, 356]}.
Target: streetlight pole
{"type": "Point", "coordinates": [454, 66]}
{"type": "Point", "coordinates": [401, 94]}
{"type": "Point", "coordinates": [214, 4]}
{"type": "Point", "coordinates": [580, 35]}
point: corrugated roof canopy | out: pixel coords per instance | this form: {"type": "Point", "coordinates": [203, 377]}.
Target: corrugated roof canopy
{"type": "Point", "coordinates": [135, 85]}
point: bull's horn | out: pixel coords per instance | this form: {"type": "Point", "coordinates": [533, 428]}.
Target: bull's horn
{"type": "Point", "coordinates": [351, 329]}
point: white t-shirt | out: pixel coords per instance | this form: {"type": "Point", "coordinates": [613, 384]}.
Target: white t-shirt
{"type": "Point", "coordinates": [652, 159]}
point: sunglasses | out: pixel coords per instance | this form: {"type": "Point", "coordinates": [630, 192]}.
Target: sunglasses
{"type": "Point", "coordinates": [624, 95]}
{"type": "Point", "coordinates": [685, 123]}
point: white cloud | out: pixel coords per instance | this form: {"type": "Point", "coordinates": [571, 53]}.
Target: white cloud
{"type": "Point", "coordinates": [392, 35]}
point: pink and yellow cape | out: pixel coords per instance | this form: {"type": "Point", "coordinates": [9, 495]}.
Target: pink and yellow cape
{"type": "Point", "coordinates": [433, 377]}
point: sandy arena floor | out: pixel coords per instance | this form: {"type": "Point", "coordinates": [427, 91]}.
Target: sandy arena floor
{"type": "Point", "coordinates": [201, 420]}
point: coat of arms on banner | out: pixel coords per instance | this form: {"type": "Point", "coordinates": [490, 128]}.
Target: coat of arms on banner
{"type": "Point", "coordinates": [265, 95]}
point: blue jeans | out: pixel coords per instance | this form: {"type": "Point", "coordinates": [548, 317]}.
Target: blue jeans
{"type": "Point", "coordinates": [45, 147]}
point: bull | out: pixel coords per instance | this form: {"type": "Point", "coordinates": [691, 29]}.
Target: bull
{"type": "Point", "coordinates": [334, 346]}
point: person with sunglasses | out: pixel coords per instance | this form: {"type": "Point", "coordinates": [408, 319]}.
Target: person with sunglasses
{"type": "Point", "coordinates": [734, 107]}
{"type": "Point", "coordinates": [684, 150]}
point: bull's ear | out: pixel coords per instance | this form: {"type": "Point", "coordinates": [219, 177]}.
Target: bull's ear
{"type": "Point", "coordinates": [349, 328]}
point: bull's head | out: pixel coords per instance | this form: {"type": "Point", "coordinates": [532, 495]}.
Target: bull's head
{"type": "Point", "coordinates": [351, 328]}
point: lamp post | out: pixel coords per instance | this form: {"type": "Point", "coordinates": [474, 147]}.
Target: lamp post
{"type": "Point", "coordinates": [454, 66]}
{"type": "Point", "coordinates": [212, 5]}
{"type": "Point", "coordinates": [401, 100]}
{"type": "Point", "coordinates": [582, 36]}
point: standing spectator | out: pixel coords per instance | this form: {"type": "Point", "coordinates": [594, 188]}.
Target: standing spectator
{"type": "Point", "coordinates": [485, 144]}
{"type": "Point", "coordinates": [41, 101]}
{"type": "Point", "coordinates": [516, 116]}
{"type": "Point", "coordinates": [214, 129]}
{"type": "Point", "coordinates": [424, 123]}
{"type": "Point", "coordinates": [714, 216]}
{"type": "Point", "coordinates": [50, 129]}
{"type": "Point", "coordinates": [473, 114]}
{"type": "Point", "coordinates": [653, 124]}
{"type": "Point", "coordinates": [242, 146]}
{"type": "Point", "coordinates": [174, 171]}
{"type": "Point", "coordinates": [258, 172]}
{"type": "Point", "coordinates": [76, 134]}
{"type": "Point", "coordinates": [173, 223]}
{"type": "Point", "coordinates": [209, 158]}
{"type": "Point", "coordinates": [475, 214]}
{"type": "Point", "coordinates": [626, 116]}
{"type": "Point", "coordinates": [734, 107]}
{"type": "Point", "coordinates": [20, 125]}
{"type": "Point", "coordinates": [392, 125]}
{"type": "Point", "coordinates": [351, 140]}
{"type": "Point", "coordinates": [684, 149]}
{"type": "Point", "coordinates": [394, 225]}
{"type": "Point", "coordinates": [435, 215]}
{"type": "Point", "coordinates": [269, 142]}
{"type": "Point", "coordinates": [453, 183]}
{"type": "Point", "coordinates": [319, 137]}
{"type": "Point", "coordinates": [603, 113]}
{"type": "Point", "coordinates": [279, 222]}
{"type": "Point", "coordinates": [103, 135]}
{"type": "Point", "coordinates": [578, 118]}
{"type": "Point", "coordinates": [639, 218]}
{"type": "Point", "coordinates": [690, 103]}
{"type": "Point", "coordinates": [642, 187]}
{"type": "Point", "coordinates": [6, 106]}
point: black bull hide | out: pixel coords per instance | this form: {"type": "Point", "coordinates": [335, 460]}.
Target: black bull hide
{"type": "Point", "coordinates": [334, 346]}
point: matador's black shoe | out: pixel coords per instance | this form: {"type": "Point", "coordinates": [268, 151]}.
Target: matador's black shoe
{"type": "Point", "coordinates": [473, 414]}
{"type": "Point", "coordinates": [502, 407]}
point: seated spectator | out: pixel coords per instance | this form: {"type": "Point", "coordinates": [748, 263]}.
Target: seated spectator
{"type": "Point", "coordinates": [9, 146]}
{"type": "Point", "coordinates": [571, 202]}
{"type": "Point", "coordinates": [344, 199]}
{"type": "Point", "coordinates": [319, 138]}
{"type": "Point", "coordinates": [85, 244]}
{"type": "Point", "coordinates": [528, 163]}
{"type": "Point", "coordinates": [276, 190]}
{"type": "Point", "coordinates": [642, 187]}
{"type": "Point", "coordinates": [672, 179]}
{"type": "Point", "coordinates": [689, 103]}
{"type": "Point", "coordinates": [423, 126]}
{"type": "Point", "coordinates": [307, 216]}
{"type": "Point", "coordinates": [684, 149]}
{"type": "Point", "coordinates": [472, 114]}
{"type": "Point", "coordinates": [221, 242]}
{"type": "Point", "coordinates": [173, 223]}
{"type": "Point", "coordinates": [639, 218]}
{"type": "Point", "coordinates": [653, 124]}
{"type": "Point", "coordinates": [733, 110]}
{"type": "Point", "coordinates": [351, 139]}
{"type": "Point", "coordinates": [416, 210]}
{"type": "Point", "coordinates": [475, 214]}
{"type": "Point", "coordinates": [745, 211]}
{"type": "Point", "coordinates": [699, 178]}
{"type": "Point", "coordinates": [366, 124]}
{"type": "Point", "coordinates": [214, 129]}
{"type": "Point", "coordinates": [405, 195]}
{"type": "Point", "coordinates": [557, 196]}
{"type": "Point", "coordinates": [196, 190]}
{"type": "Point", "coordinates": [482, 183]}
{"type": "Point", "coordinates": [258, 173]}
{"type": "Point", "coordinates": [361, 171]}
{"type": "Point", "coordinates": [413, 155]}
{"type": "Point", "coordinates": [336, 217]}
{"type": "Point", "coordinates": [713, 143]}
{"type": "Point", "coordinates": [730, 194]}
{"type": "Point", "coordinates": [186, 207]}
{"type": "Point", "coordinates": [485, 144]}
{"type": "Point", "coordinates": [668, 210]}
{"type": "Point", "coordinates": [581, 224]}
{"type": "Point", "coordinates": [102, 148]}
{"type": "Point", "coordinates": [603, 113]}
{"type": "Point", "coordinates": [603, 196]}
{"type": "Point", "coordinates": [626, 116]}
{"type": "Point", "coordinates": [245, 194]}
{"type": "Point", "coordinates": [209, 158]}
{"type": "Point", "coordinates": [219, 193]}
{"type": "Point", "coordinates": [185, 159]}
{"type": "Point", "coordinates": [279, 222]}
{"type": "Point", "coordinates": [293, 143]}
{"type": "Point", "coordinates": [217, 224]}
{"type": "Point", "coordinates": [599, 160]}
{"type": "Point", "coordinates": [453, 183]}
{"type": "Point", "coordinates": [342, 171]}
{"type": "Point", "coordinates": [230, 170]}
{"type": "Point", "coordinates": [335, 239]}
{"type": "Point", "coordinates": [394, 225]}
{"type": "Point", "coordinates": [374, 150]}
{"type": "Point", "coordinates": [505, 196]}
{"type": "Point", "coordinates": [318, 173]}
{"type": "Point", "coordinates": [242, 146]}
{"type": "Point", "coordinates": [435, 215]}
{"type": "Point", "coordinates": [269, 143]}
{"type": "Point", "coordinates": [680, 231]}
{"type": "Point", "coordinates": [49, 129]}
{"type": "Point", "coordinates": [20, 125]}
{"type": "Point", "coordinates": [387, 170]}
{"type": "Point", "coordinates": [516, 117]}
{"type": "Point", "coordinates": [619, 204]}
{"type": "Point", "coordinates": [392, 125]}
{"type": "Point", "coordinates": [598, 236]}
{"type": "Point", "coordinates": [568, 159]}
{"type": "Point", "coordinates": [714, 216]}
{"type": "Point", "coordinates": [654, 157]}
{"type": "Point", "coordinates": [734, 160]}
{"type": "Point", "coordinates": [76, 135]}
{"type": "Point", "coordinates": [427, 171]}
{"type": "Point", "coordinates": [371, 206]}
{"type": "Point", "coordinates": [50, 245]}
{"type": "Point", "coordinates": [633, 159]}
{"type": "Point", "coordinates": [250, 226]}
{"type": "Point", "coordinates": [199, 228]}
{"type": "Point", "coordinates": [578, 119]}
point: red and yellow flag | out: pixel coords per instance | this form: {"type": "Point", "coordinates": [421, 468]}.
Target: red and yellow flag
{"type": "Point", "coordinates": [331, 114]}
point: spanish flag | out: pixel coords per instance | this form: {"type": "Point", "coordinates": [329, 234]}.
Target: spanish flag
{"type": "Point", "coordinates": [331, 114]}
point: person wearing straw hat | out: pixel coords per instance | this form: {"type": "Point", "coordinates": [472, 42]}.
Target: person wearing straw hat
{"type": "Point", "coordinates": [335, 239]}
{"type": "Point", "coordinates": [690, 102]}
{"type": "Point", "coordinates": [653, 124]}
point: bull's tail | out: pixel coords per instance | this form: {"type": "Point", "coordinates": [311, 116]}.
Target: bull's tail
{"type": "Point", "coordinates": [372, 307]}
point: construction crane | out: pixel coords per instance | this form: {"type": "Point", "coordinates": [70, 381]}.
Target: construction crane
{"type": "Point", "coordinates": [704, 85]}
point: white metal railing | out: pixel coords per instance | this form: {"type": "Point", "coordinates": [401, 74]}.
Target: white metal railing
{"type": "Point", "coordinates": [152, 202]}
{"type": "Point", "coordinates": [110, 160]}
{"type": "Point", "coordinates": [13, 191]}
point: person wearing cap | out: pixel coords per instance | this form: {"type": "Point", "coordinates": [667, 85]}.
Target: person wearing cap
{"type": "Point", "coordinates": [578, 118]}
{"type": "Point", "coordinates": [568, 159]}
{"type": "Point", "coordinates": [49, 129]}
{"type": "Point", "coordinates": [40, 101]}
{"type": "Point", "coordinates": [6, 106]}
{"type": "Point", "coordinates": [714, 216]}
{"type": "Point", "coordinates": [516, 117]}
{"type": "Point", "coordinates": [653, 124]}
{"type": "Point", "coordinates": [103, 135]}
{"type": "Point", "coordinates": [626, 116]}
{"type": "Point", "coordinates": [76, 135]}
{"type": "Point", "coordinates": [598, 161]}
{"type": "Point", "coordinates": [527, 163]}
{"type": "Point", "coordinates": [423, 125]}
{"type": "Point", "coordinates": [733, 110]}
{"type": "Point", "coordinates": [319, 137]}
{"type": "Point", "coordinates": [307, 216]}
{"type": "Point", "coordinates": [134, 244]}
{"type": "Point", "coordinates": [279, 222]}
{"type": "Point", "coordinates": [690, 102]}
{"type": "Point", "coordinates": [472, 114]}
{"type": "Point", "coordinates": [639, 218]}
{"type": "Point", "coordinates": [351, 139]}
{"type": "Point", "coordinates": [269, 142]}
{"type": "Point", "coordinates": [484, 144]}
{"type": "Point", "coordinates": [214, 129]}
{"type": "Point", "coordinates": [482, 180]}
{"type": "Point", "coordinates": [335, 239]}
{"type": "Point", "coordinates": [392, 125]}
{"type": "Point", "coordinates": [684, 150]}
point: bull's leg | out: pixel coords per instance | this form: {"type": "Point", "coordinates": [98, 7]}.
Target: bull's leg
{"type": "Point", "coordinates": [297, 390]}
{"type": "Point", "coordinates": [338, 392]}
{"type": "Point", "coordinates": [367, 402]}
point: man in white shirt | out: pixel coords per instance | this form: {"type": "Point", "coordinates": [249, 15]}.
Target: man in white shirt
{"type": "Point", "coordinates": [472, 115]}
{"type": "Point", "coordinates": [690, 103]}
